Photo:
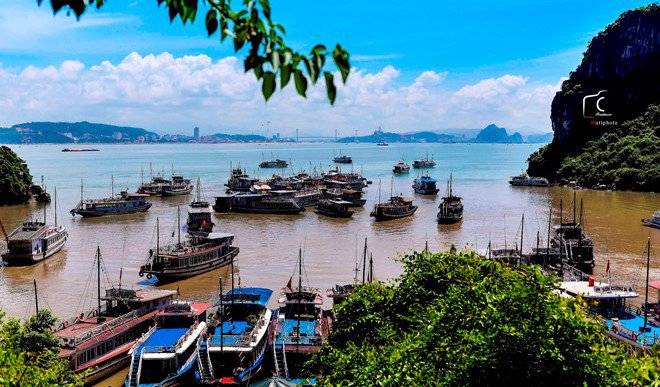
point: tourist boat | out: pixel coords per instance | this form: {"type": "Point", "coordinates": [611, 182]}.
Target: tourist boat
{"type": "Point", "coordinates": [307, 197]}
{"type": "Point", "coordinates": [354, 197]}
{"type": "Point", "coordinates": [80, 150]}
{"type": "Point", "coordinates": [300, 326]}
{"type": "Point", "coordinates": [125, 203]}
{"type": "Point", "coordinates": [401, 167]}
{"type": "Point", "coordinates": [333, 207]}
{"type": "Point", "coordinates": [451, 207]}
{"type": "Point", "coordinates": [395, 208]}
{"type": "Point", "coordinates": [342, 159]}
{"type": "Point", "coordinates": [34, 241]}
{"type": "Point", "coordinates": [202, 251]}
{"type": "Point", "coordinates": [339, 293]}
{"type": "Point", "coordinates": [234, 347]}
{"type": "Point", "coordinates": [424, 162]}
{"type": "Point", "coordinates": [155, 187]}
{"type": "Point", "coordinates": [239, 181]}
{"type": "Point", "coordinates": [274, 163]}
{"type": "Point", "coordinates": [257, 204]}
{"type": "Point", "coordinates": [425, 185]}
{"type": "Point", "coordinates": [178, 186]}
{"type": "Point", "coordinates": [653, 221]}
{"type": "Point", "coordinates": [573, 243]}
{"type": "Point", "coordinates": [96, 342]}
{"type": "Point", "coordinates": [525, 180]}
{"type": "Point", "coordinates": [167, 354]}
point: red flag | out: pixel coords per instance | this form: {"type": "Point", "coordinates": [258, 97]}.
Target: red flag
{"type": "Point", "coordinates": [178, 293]}
{"type": "Point", "coordinates": [204, 223]}
{"type": "Point", "coordinates": [607, 268]}
{"type": "Point", "coordinates": [288, 284]}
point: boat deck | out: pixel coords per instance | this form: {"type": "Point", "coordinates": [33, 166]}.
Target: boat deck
{"type": "Point", "coordinates": [307, 332]}
{"type": "Point", "coordinates": [163, 337]}
{"type": "Point", "coordinates": [634, 323]}
{"type": "Point", "coordinates": [26, 235]}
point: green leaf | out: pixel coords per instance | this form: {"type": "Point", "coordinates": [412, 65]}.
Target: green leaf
{"type": "Point", "coordinates": [275, 60]}
{"type": "Point", "coordinates": [341, 58]}
{"type": "Point", "coordinates": [265, 8]}
{"type": "Point", "coordinates": [311, 69]}
{"type": "Point", "coordinates": [268, 87]}
{"type": "Point", "coordinates": [285, 75]}
{"type": "Point", "coordinates": [330, 87]}
{"type": "Point", "coordinates": [301, 82]}
{"type": "Point", "coordinates": [211, 21]}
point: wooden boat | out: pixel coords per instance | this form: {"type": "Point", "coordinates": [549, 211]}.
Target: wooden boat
{"type": "Point", "coordinates": [155, 187]}
{"type": "Point", "coordinates": [395, 208]}
{"type": "Point", "coordinates": [179, 186]}
{"type": "Point", "coordinates": [257, 204]}
{"type": "Point", "coordinates": [333, 207]}
{"type": "Point", "coordinates": [424, 162]}
{"type": "Point", "coordinates": [34, 241]}
{"type": "Point", "coordinates": [571, 239]}
{"type": "Point", "coordinates": [167, 354]}
{"type": "Point", "coordinates": [401, 167]}
{"type": "Point", "coordinates": [202, 251]}
{"type": "Point", "coordinates": [451, 207]}
{"type": "Point", "coordinates": [97, 342]}
{"type": "Point", "coordinates": [342, 159]}
{"type": "Point", "coordinates": [234, 348]}
{"type": "Point", "coordinates": [425, 185]}
{"type": "Point", "coordinates": [239, 181]}
{"type": "Point", "coordinates": [274, 163]}
{"type": "Point", "coordinates": [300, 327]}
{"type": "Point", "coordinates": [654, 221]}
{"type": "Point", "coordinates": [125, 203]}
{"type": "Point", "coordinates": [528, 181]}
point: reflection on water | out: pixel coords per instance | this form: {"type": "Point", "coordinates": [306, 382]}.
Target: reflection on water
{"type": "Point", "coordinates": [269, 243]}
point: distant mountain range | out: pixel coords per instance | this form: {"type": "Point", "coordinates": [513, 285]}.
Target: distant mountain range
{"type": "Point", "coordinates": [87, 132]}
{"type": "Point", "coordinates": [490, 134]}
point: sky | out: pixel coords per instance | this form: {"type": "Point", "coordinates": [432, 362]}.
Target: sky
{"type": "Point", "coordinates": [423, 65]}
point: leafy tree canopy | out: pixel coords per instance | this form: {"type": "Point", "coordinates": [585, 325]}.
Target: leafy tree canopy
{"type": "Point", "coordinates": [249, 25]}
{"type": "Point", "coordinates": [15, 178]}
{"type": "Point", "coordinates": [457, 319]}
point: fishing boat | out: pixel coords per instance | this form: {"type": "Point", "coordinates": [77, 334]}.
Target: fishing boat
{"type": "Point", "coordinates": [300, 327]}
{"type": "Point", "coordinates": [424, 162]}
{"type": "Point", "coordinates": [233, 349]}
{"type": "Point", "coordinates": [333, 207]}
{"type": "Point", "coordinates": [349, 195]}
{"type": "Point", "coordinates": [425, 185]}
{"type": "Point", "coordinates": [96, 342]}
{"type": "Point", "coordinates": [571, 239]}
{"type": "Point", "coordinates": [257, 203]}
{"type": "Point", "coordinates": [167, 354]}
{"type": "Point", "coordinates": [342, 159]}
{"type": "Point", "coordinates": [382, 144]}
{"type": "Point", "coordinates": [451, 207]}
{"type": "Point", "coordinates": [340, 292]}
{"type": "Point", "coordinates": [34, 240]}
{"type": "Point", "coordinates": [201, 252]}
{"type": "Point", "coordinates": [199, 214]}
{"type": "Point", "coordinates": [178, 186]}
{"type": "Point", "coordinates": [528, 181]}
{"type": "Point", "coordinates": [401, 167]}
{"type": "Point", "coordinates": [239, 181]}
{"type": "Point", "coordinates": [654, 221]}
{"type": "Point", "coordinates": [125, 203]}
{"type": "Point", "coordinates": [395, 208]}
{"type": "Point", "coordinates": [307, 197]}
{"type": "Point", "coordinates": [155, 186]}
{"type": "Point", "coordinates": [273, 163]}
{"type": "Point", "coordinates": [80, 150]}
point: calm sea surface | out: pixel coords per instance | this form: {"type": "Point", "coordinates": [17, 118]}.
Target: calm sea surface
{"type": "Point", "coordinates": [269, 244]}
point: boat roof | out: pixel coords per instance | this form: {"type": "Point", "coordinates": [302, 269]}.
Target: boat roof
{"type": "Point", "coordinates": [219, 235]}
{"type": "Point", "coordinates": [137, 195]}
{"type": "Point", "coordinates": [429, 179]}
{"type": "Point", "coordinates": [143, 294]}
{"type": "Point", "coordinates": [600, 290]}
{"type": "Point", "coordinates": [261, 187]}
{"type": "Point", "coordinates": [655, 284]}
{"type": "Point", "coordinates": [257, 296]}
{"type": "Point", "coordinates": [22, 234]}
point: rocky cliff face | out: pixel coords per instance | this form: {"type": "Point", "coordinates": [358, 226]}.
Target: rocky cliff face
{"type": "Point", "coordinates": [617, 80]}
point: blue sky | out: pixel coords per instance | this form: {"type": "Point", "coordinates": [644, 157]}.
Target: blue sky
{"type": "Point", "coordinates": [419, 65]}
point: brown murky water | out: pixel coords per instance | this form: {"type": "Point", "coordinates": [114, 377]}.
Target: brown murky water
{"type": "Point", "coordinates": [269, 244]}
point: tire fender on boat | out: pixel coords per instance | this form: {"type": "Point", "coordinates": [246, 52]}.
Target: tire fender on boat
{"type": "Point", "coordinates": [65, 324]}
{"type": "Point", "coordinates": [141, 273]}
{"type": "Point", "coordinates": [149, 276]}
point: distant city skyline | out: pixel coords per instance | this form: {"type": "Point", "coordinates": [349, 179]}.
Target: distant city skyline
{"type": "Point", "coordinates": [474, 64]}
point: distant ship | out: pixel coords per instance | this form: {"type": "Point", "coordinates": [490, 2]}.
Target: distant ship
{"type": "Point", "coordinates": [525, 180]}
{"type": "Point", "coordinates": [653, 221]}
{"type": "Point", "coordinates": [257, 203]}
{"type": "Point", "coordinates": [401, 167]}
{"type": "Point", "coordinates": [79, 150]}
{"type": "Point", "coordinates": [382, 144]}
{"type": "Point", "coordinates": [451, 208]}
{"type": "Point", "coordinates": [343, 159]}
{"type": "Point", "coordinates": [274, 163]}
{"type": "Point", "coordinates": [124, 203]}
{"type": "Point", "coordinates": [334, 207]}
{"type": "Point", "coordinates": [179, 186]}
{"type": "Point", "coordinates": [34, 241]}
{"type": "Point", "coordinates": [424, 163]}
{"type": "Point", "coordinates": [395, 208]}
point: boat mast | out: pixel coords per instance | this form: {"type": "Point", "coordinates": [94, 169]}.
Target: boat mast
{"type": "Point", "coordinates": [178, 221]}
{"type": "Point", "coordinates": [547, 252]}
{"type": "Point", "coordinates": [450, 184]}
{"type": "Point", "coordinates": [141, 175]}
{"type": "Point", "coordinates": [157, 237]}
{"type": "Point", "coordinates": [44, 213]}
{"type": "Point", "coordinates": [364, 260]}
{"type": "Point", "coordinates": [81, 191]}
{"type": "Point", "coordinates": [371, 268]}
{"type": "Point", "coordinates": [36, 296]}
{"type": "Point", "coordinates": [112, 178]}
{"type": "Point", "coordinates": [55, 206]}
{"type": "Point", "coordinates": [522, 233]}
{"type": "Point", "coordinates": [561, 212]}
{"type": "Point", "coordinates": [222, 315]}
{"type": "Point", "coordinates": [98, 279]}
{"type": "Point", "coordinates": [299, 297]}
{"type": "Point", "coordinates": [233, 294]}
{"type": "Point", "coordinates": [580, 211]}
{"type": "Point", "coordinates": [646, 296]}
{"type": "Point", "coordinates": [574, 206]}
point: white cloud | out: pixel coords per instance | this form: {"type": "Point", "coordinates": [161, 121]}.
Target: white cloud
{"type": "Point", "coordinates": [173, 94]}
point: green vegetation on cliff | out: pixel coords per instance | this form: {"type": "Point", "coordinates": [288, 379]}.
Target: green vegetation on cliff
{"type": "Point", "coordinates": [627, 157]}
{"type": "Point", "coordinates": [29, 353]}
{"type": "Point", "coordinates": [457, 319]}
{"type": "Point", "coordinates": [15, 178]}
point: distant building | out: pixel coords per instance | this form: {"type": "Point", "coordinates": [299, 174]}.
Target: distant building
{"type": "Point", "coordinates": [140, 138]}
{"type": "Point", "coordinates": [196, 134]}
{"type": "Point", "coordinates": [117, 135]}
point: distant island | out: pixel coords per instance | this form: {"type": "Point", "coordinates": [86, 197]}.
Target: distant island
{"type": "Point", "coordinates": [87, 132]}
{"type": "Point", "coordinates": [490, 134]}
